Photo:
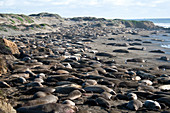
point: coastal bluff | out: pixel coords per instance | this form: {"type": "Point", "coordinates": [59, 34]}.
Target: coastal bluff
{"type": "Point", "coordinates": [11, 24]}
{"type": "Point", "coordinates": [7, 50]}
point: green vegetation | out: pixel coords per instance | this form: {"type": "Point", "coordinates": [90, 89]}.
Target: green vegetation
{"type": "Point", "coordinates": [12, 21]}
{"type": "Point", "coordinates": [3, 29]}
{"type": "Point", "coordinates": [27, 18]}
{"type": "Point", "coordinates": [43, 25]}
{"type": "Point", "coordinates": [12, 27]}
{"type": "Point", "coordinates": [20, 19]}
{"type": "Point", "coordinates": [135, 22]}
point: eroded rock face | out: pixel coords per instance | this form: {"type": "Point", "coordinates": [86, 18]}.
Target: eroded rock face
{"type": "Point", "coordinates": [12, 46]}
{"type": "Point", "coordinates": [7, 48]}
{"type": "Point", "coordinates": [6, 107]}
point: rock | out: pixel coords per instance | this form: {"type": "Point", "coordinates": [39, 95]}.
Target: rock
{"type": "Point", "coordinates": [134, 105]}
{"type": "Point", "coordinates": [47, 108]}
{"type": "Point", "coordinates": [6, 62]}
{"type": "Point", "coordinates": [6, 107]}
{"type": "Point", "coordinates": [13, 47]}
{"type": "Point", "coordinates": [152, 104]}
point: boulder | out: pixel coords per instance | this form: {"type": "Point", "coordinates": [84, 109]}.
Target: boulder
{"type": "Point", "coordinates": [6, 107]}
{"type": "Point", "coordinates": [12, 46]}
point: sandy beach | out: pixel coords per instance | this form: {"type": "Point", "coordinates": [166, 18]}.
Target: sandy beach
{"type": "Point", "coordinates": [86, 67]}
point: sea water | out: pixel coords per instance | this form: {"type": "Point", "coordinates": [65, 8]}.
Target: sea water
{"type": "Point", "coordinates": [163, 22]}
{"type": "Point", "coordinates": [165, 43]}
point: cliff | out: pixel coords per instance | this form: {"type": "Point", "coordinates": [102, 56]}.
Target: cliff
{"type": "Point", "coordinates": [139, 24]}
{"type": "Point", "coordinates": [7, 48]}
{"type": "Point", "coordinates": [11, 24]}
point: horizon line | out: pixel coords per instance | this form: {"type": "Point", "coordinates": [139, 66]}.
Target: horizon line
{"type": "Point", "coordinates": [93, 16]}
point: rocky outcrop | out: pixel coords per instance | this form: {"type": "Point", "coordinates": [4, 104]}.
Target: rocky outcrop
{"type": "Point", "coordinates": [12, 46]}
{"type": "Point", "coordinates": [139, 24]}
{"type": "Point", "coordinates": [7, 48]}
{"type": "Point", "coordinates": [6, 107]}
{"type": "Point", "coordinates": [46, 15]}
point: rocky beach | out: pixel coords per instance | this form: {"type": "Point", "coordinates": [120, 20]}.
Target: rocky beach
{"type": "Point", "coordinates": [50, 64]}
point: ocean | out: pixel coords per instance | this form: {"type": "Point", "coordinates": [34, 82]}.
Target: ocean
{"type": "Point", "coordinates": [163, 22]}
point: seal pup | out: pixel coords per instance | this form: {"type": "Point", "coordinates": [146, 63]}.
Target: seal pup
{"type": "Point", "coordinates": [152, 104]}
{"type": "Point", "coordinates": [74, 94]}
{"type": "Point", "coordinates": [134, 105]}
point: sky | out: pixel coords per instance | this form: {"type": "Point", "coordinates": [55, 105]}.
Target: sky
{"type": "Point", "coordinates": [111, 9]}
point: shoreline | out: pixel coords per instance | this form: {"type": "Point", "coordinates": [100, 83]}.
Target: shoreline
{"type": "Point", "coordinates": [80, 68]}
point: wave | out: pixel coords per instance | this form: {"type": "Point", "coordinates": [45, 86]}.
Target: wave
{"type": "Point", "coordinates": [166, 25]}
{"type": "Point", "coordinates": [165, 46]}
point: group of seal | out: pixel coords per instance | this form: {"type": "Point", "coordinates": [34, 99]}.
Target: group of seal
{"type": "Point", "coordinates": [59, 73]}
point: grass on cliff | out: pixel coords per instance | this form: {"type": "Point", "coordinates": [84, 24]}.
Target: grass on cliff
{"type": "Point", "coordinates": [135, 22]}
{"type": "Point", "coordinates": [12, 27]}
{"type": "Point", "coordinates": [12, 21]}
{"type": "Point", "coordinates": [27, 18]}
{"type": "Point", "coordinates": [3, 29]}
{"type": "Point", "coordinates": [20, 17]}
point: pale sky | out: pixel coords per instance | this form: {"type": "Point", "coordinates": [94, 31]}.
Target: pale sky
{"type": "Point", "coordinates": [95, 8]}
